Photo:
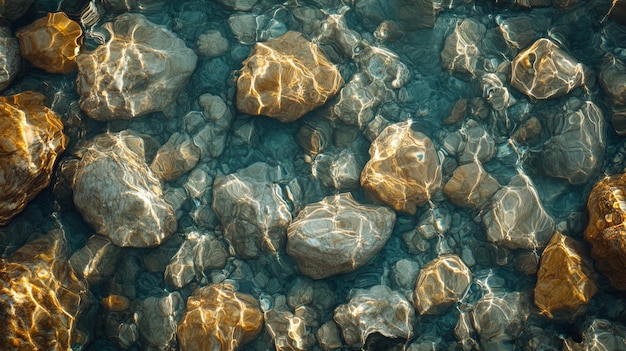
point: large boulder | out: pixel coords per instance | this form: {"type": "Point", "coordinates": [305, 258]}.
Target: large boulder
{"type": "Point", "coordinates": [404, 170]}
{"type": "Point", "coordinates": [31, 139]}
{"type": "Point", "coordinates": [565, 280]}
{"type": "Point", "coordinates": [285, 78]}
{"type": "Point", "coordinates": [338, 235]}
{"type": "Point", "coordinates": [141, 69]}
{"type": "Point", "coordinates": [117, 193]}
{"type": "Point", "coordinates": [441, 283]}
{"type": "Point", "coordinates": [219, 318]}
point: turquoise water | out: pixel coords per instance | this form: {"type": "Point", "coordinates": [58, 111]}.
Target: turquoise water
{"type": "Point", "coordinates": [447, 68]}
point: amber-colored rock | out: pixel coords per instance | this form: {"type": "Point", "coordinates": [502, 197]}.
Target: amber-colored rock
{"type": "Point", "coordinates": [470, 186]}
{"type": "Point", "coordinates": [285, 78]}
{"type": "Point", "coordinates": [219, 318]}
{"type": "Point", "coordinates": [565, 280]}
{"type": "Point", "coordinates": [544, 70]}
{"type": "Point", "coordinates": [115, 303]}
{"type": "Point", "coordinates": [51, 43]}
{"type": "Point", "coordinates": [441, 283]}
{"type": "Point", "coordinates": [606, 231]}
{"type": "Point", "coordinates": [31, 138]}
{"type": "Point", "coordinates": [403, 171]}
{"type": "Point", "coordinates": [42, 300]}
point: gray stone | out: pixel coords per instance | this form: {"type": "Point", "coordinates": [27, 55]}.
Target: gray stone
{"type": "Point", "coordinates": [377, 310]}
{"type": "Point", "coordinates": [118, 195]}
{"type": "Point", "coordinates": [338, 169]}
{"type": "Point", "coordinates": [499, 318]}
{"type": "Point", "coordinates": [521, 30]}
{"type": "Point", "coordinates": [212, 44]}
{"type": "Point", "coordinates": [10, 58]}
{"type": "Point", "coordinates": [141, 61]}
{"type": "Point", "coordinates": [211, 138]}
{"type": "Point", "coordinates": [477, 144]}
{"type": "Point", "coordinates": [359, 99]}
{"type": "Point", "coordinates": [337, 235]}
{"type": "Point", "coordinates": [176, 157]}
{"type": "Point", "coordinates": [288, 332]}
{"type": "Point", "coordinates": [156, 321]}
{"type": "Point", "coordinates": [383, 65]}
{"type": "Point", "coordinates": [122, 6]}
{"type": "Point", "coordinates": [462, 49]}
{"type": "Point", "coordinates": [599, 334]}
{"type": "Point", "coordinates": [329, 336]}
{"type": "Point", "coordinates": [97, 260]}
{"type": "Point", "coordinates": [238, 5]}
{"type": "Point", "coordinates": [612, 74]}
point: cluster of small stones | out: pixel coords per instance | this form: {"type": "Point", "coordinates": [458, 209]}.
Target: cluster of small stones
{"type": "Point", "coordinates": [204, 225]}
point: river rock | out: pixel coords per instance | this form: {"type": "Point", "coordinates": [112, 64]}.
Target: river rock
{"type": "Point", "coordinates": [156, 321]}
{"type": "Point", "coordinates": [476, 145]}
{"type": "Point", "coordinates": [499, 318]}
{"type": "Point", "coordinates": [404, 170]}
{"type": "Point", "coordinates": [462, 49]}
{"type": "Point", "coordinates": [252, 210]}
{"type": "Point", "coordinates": [219, 318]}
{"type": "Point", "coordinates": [605, 232]}
{"type": "Point", "coordinates": [52, 43]}
{"type": "Point", "coordinates": [337, 235]}
{"type": "Point", "coordinates": [176, 157]}
{"type": "Point", "coordinates": [516, 218]}
{"type": "Point", "coordinates": [565, 280]}
{"type": "Point", "coordinates": [31, 139]}
{"type": "Point", "coordinates": [289, 332]}
{"type": "Point", "coordinates": [9, 57]}
{"type": "Point", "coordinates": [338, 169]}
{"type": "Point", "coordinates": [377, 312]}
{"type": "Point", "coordinates": [470, 186]}
{"type": "Point", "coordinates": [599, 334]}
{"type": "Point", "coordinates": [43, 302]}
{"type": "Point", "coordinates": [117, 193]}
{"type": "Point", "coordinates": [576, 150]}
{"type": "Point", "coordinates": [285, 78]}
{"type": "Point", "coordinates": [141, 61]}
{"type": "Point", "coordinates": [97, 260]}
{"type": "Point", "coordinates": [441, 283]}
{"type": "Point", "coordinates": [212, 44]}
{"type": "Point", "coordinates": [612, 73]}
{"type": "Point", "coordinates": [544, 70]}
{"type": "Point", "coordinates": [122, 6]}
{"type": "Point", "coordinates": [10, 10]}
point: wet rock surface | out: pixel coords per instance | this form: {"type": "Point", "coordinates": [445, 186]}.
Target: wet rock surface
{"type": "Point", "coordinates": [470, 186]}
{"type": "Point", "coordinates": [441, 283]}
{"type": "Point", "coordinates": [9, 57]}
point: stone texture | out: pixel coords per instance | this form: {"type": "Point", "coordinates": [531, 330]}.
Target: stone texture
{"type": "Point", "coordinates": [176, 157]}
{"type": "Point", "coordinates": [441, 283]}
{"type": "Point", "coordinates": [118, 195]}
{"type": "Point", "coordinates": [31, 138]}
{"type": "Point", "coordinates": [285, 78]}
{"type": "Point", "coordinates": [10, 10]}
{"type": "Point", "coordinates": [377, 310]}
{"type": "Point", "coordinates": [252, 210]}
{"type": "Point", "coordinates": [611, 78]}
{"type": "Point", "coordinates": [52, 43]}
{"type": "Point", "coordinates": [288, 331]}
{"type": "Point", "coordinates": [544, 70]}
{"type": "Point", "coordinates": [196, 254]}
{"type": "Point", "coordinates": [337, 235]}
{"type": "Point", "coordinates": [516, 218]}
{"type": "Point", "coordinates": [121, 78]}
{"type": "Point", "coordinates": [605, 232]}
{"type": "Point", "coordinates": [43, 302]}
{"type": "Point", "coordinates": [462, 49]}
{"type": "Point", "coordinates": [476, 144]}
{"type": "Point", "coordinates": [219, 318]}
{"type": "Point", "coordinates": [338, 169]}
{"type": "Point", "coordinates": [565, 280]}
{"type": "Point", "coordinates": [156, 321]}
{"type": "Point", "coordinates": [97, 260]}
{"type": "Point", "coordinates": [212, 44]}
{"type": "Point", "coordinates": [576, 150]}
{"type": "Point", "coordinates": [470, 186]}
{"type": "Point", "coordinates": [9, 57]}
{"type": "Point", "coordinates": [599, 334]}
{"type": "Point", "coordinates": [498, 318]}
{"type": "Point", "coordinates": [403, 171]}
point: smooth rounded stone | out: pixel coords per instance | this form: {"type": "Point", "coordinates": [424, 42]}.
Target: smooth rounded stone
{"type": "Point", "coordinates": [176, 157]}
{"type": "Point", "coordinates": [377, 310]}
{"type": "Point", "coordinates": [565, 280]}
{"type": "Point", "coordinates": [315, 136]}
{"type": "Point", "coordinates": [516, 218]}
{"type": "Point", "coordinates": [381, 64]}
{"type": "Point", "coordinates": [404, 170]}
{"type": "Point", "coordinates": [51, 43]}
{"type": "Point", "coordinates": [612, 74]}
{"type": "Point", "coordinates": [404, 274]}
{"type": "Point", "coordinates": [470, 186]}
{"type": "Point", "coordinates": [441, 283]}
{"type": "Point", "coordinates": [129, 208]}
{"type": "Point", "coordinates": [288, 332]}
{"type": "Point", "coordinates": [462, 49]}
{"type": "Point", "coordinates": [544, 70]}
{"type": "Point", "coordinates": [198, 182]}
{"type": "Point", "coordinates": [121, 78]}
{"type": "Point", "coordinates": [340, 170]}
{"type": "Point", "coordinates": [458, 112]}
{"type": "Point", "coordinates": [496, 93]}
{"type": "Point", "coordinates": [211, 139]}
{"type": "Point", "coordinates": [43, 302]}
{"type": "Point", "coordinates": [244, 27]}
{"type": "Point", "coordinates": [156, 318]}
{"type": "Point", "coordinates": [477, 144]}
{"type": "Point", "coordinates": [522, 30]}
{"type": "Point", "coordinates": [337, 39]}
{"type": "Point", "coordinates": [252, 210]}
{"type": "Point", "coordinates": [599, 334]}
{"type": "Point", "coordinates": [358, 101]}
{"type": "Point", "coordinates": [31, 138]}
{"type": "Point", "coordinates": [605, 232]}
{"type": "Point", "coordinates": [499, 318]}
{"type": "Point", "coordinates": [9, 57]}
{"type": "Point", "coordinates": [337, 235]}
{"type": "Point", "coordinates": [97, 260]}
{"type": "Point", "coordinates": [10, 10]}
{"type": "Point", "coordinates": [219, 318]}
{"type": "Point", "coordinates": [329, 336]}
{"type": "Point", "coordinates": [212, 44]}
{"type": "Point", "coordinates": [528, 132]}
{"type": "Point", "coordinates": [576, 150]}
{"type": "Point", "coordinates": [197, 253]}
{"type": "Point", "coordinates": [285, 78]}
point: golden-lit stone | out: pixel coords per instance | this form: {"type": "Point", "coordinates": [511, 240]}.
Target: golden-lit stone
{"type": "Point", "coordinates": [31, 137]}
{"type": "Point", "coordinates": [219, 318]}
{"type": "Point", "coordinates": [51, 43]}
{"type": "Point", "coordinates": [115, 303]}
{"type": "Point", "coordinates": [41, 298]}
{"type": "Point", "coordinates": [565, 280]}
{"type": "Point", "coordinates": [285, 78]}
{"type": "Point", "coordinates": [544, 70]}
{"type": "Point", "coordinates": [403, 171]}
{"type": "Point", "coordinates": [441, 283]}
{"type": "Point", "coordinates": [606, 231]}
{"type": "Point", "coordinates": [470, 186]}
